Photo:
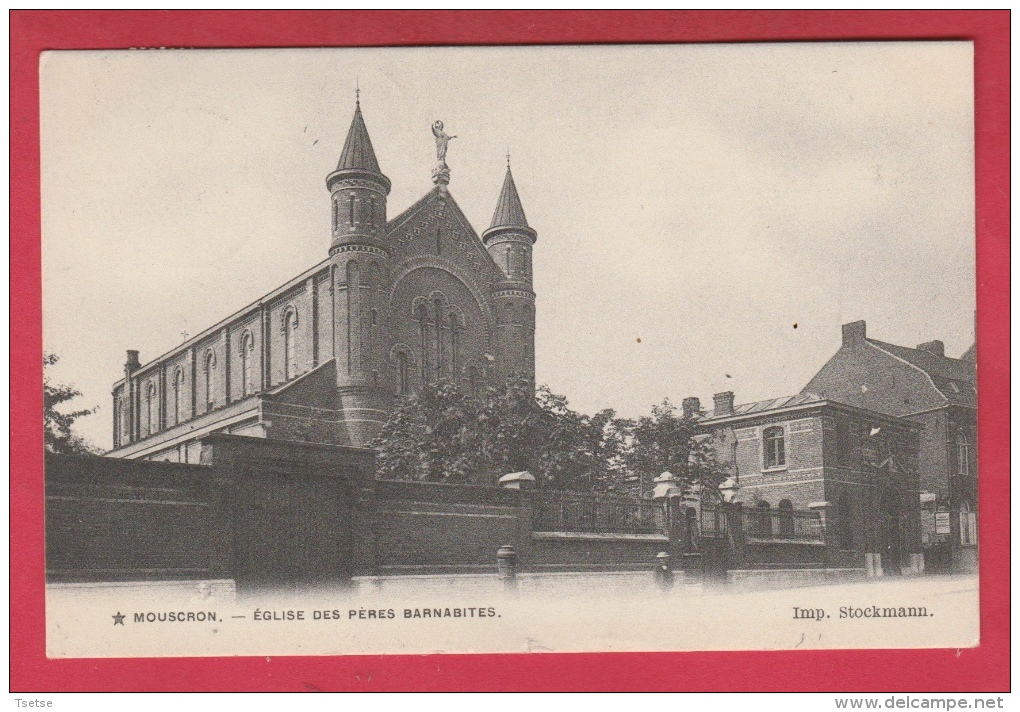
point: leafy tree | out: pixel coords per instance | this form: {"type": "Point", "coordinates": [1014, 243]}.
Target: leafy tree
{"type": "Point", "coordinates": [668, 441]}
{"type": "Point", "coordinates": [58, 434]}
{"type": "Point", "coordinates": [435, 435]}
{"type": "Point", "coordinates": [442, 435]}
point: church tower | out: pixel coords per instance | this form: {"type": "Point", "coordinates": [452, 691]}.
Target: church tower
{"type": "Point", "coordinates": [360, 275]}
{"type": "Point", "coordinates": [509, 241]}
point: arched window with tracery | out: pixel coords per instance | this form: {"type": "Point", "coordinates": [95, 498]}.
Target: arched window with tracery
{"type": "Point", "coordinates": [152, 407]}
{"type": "Point", "coordinates": [247, 349]}
{"type": "Point", "coordinates": [290, 344]}
{"type": "Point", "coordinates": [210, 367]}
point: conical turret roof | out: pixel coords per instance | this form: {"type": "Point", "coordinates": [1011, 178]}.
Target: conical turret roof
{"type": "Point", "coordinates": [358, 153]}
{"type": "Point", "coordinates": [509, 211]}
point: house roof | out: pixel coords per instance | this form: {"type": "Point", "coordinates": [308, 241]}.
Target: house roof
{"type": "Point", "coordinates": [954, 378]}
{"type": "Point", "coordinates": [764, 405]}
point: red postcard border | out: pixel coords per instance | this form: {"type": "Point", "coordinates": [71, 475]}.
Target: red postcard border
{"type": "Point", "coordinates": [985, 668]}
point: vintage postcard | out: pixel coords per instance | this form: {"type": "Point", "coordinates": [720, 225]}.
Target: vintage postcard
{"type": "Point", "coordinates": [510, 349]}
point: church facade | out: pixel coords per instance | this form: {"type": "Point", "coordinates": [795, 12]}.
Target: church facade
{"type": "Point", "coordinates": [397, 303]}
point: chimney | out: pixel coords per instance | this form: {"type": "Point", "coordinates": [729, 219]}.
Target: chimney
{"type": "Point", "coordinates": [132, 362]}
{"type": "Point", "coordinates": [855, 332]}
{"type": "Point", "coordinates": [723, 403]}
{"type": "Point", "coordinates": [936, 347]}
{"type": "Point", "coordinates": [692, 407]}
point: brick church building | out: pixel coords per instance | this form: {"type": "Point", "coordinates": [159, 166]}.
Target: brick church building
{"type": "Point", "coordinates": [396, 303]}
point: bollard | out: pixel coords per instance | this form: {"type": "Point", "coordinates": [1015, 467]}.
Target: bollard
{"type": "Point", "coordinates": [506, 564]}
{"type": "Point", "coordinates": [663, 572]}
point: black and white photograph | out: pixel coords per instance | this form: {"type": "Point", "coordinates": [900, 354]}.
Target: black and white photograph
{"type": "Point", "coordinates": [509, 349]}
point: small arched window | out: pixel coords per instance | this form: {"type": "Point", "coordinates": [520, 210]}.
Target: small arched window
{"type": "Point", "coordinates": [152, 407]}
{"type": "Point", "coordinates": [774, 446]}
{"type": "Point", "coordinates": [962, 455]}
{"type": "Point", "coordinates": [786, 524]}
{"type": "Point", "coordinates": [178, 395]}
{"type": "Point", "coordinates": [968, 525]}
{"type": "Point", "coordinates": [763, 520]}
{"type": "Point", "coordinates": [118, 425]}
{"type": "Point", "coordinates": [210, 367]}
{"type": "Point", "coordinates": [351, 210]}
{"type": "Point", "coordinates": [336, 214]}
{"type": "Point", "coordinates": [247, 347]}
{"type": "Point", "coordinates": [290, 345]}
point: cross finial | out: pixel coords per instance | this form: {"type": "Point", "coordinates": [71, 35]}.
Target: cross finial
{"type": "Point", "coordinates": [357, 93]}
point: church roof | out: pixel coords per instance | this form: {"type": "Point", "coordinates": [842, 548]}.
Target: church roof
{"type": "Point", "coordinates": [358, 153]}
{"type": "Point", "coordinates": [509, 211]}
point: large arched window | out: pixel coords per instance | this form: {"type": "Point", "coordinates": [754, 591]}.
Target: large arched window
{"type": "Point", "coordinates": [152, 407]}
{"type": "Point", "coordinates": [210, 367]}
{"type": "Point", "coordinates": [178, 395]}
{"type": "Point", "coordinates": [774, 446]}
{"type": "Point", "coordinates": [290, 344]}
{"type": "Point", "coordinates": [247, 347]}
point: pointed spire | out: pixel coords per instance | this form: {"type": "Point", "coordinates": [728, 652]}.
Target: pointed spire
{"type": "Point", "coordinates": [358, 153]}
{"type": "Point", "coordinates": [509, 211]}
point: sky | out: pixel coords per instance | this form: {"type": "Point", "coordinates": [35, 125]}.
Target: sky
{"type": "Point", "coordinates": [707, 215]}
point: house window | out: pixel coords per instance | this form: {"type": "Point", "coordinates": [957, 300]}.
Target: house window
{"type": "Point", "coordinates": [351, 210]}
{"type": "Point", "coordinates": [962, 455]}
{"type": "Point", "coordinates": [247, 347]}
{"type": "Point", "coordinates": [289, 345]}
{"type": "Point", "coordinates": [151, 407]}
{"type": "Point", "coordinates": [336, 214]}
{"type": "Point", "coordinates": [775, 447]}
{"type": "Point", "coordinates": [178, 395]}
{"type": "Point", "coordinates": [968, 526]}
{"type": "Point", "coordinates": [210, 366]}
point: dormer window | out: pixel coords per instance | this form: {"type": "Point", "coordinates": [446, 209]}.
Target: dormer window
{"type": "Point", "coordinates": [775, 447]}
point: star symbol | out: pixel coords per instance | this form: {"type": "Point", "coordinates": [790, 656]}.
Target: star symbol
{"type": "Point", "coordinates": [118, 618]}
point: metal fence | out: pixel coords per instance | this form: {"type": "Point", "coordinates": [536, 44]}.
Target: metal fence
{"type": "Point", "coordinates": [713, 521]}
{"type": "Point", "coordinates": [596, 514]}
{"type": "Point", "coordinates": [763, 523]}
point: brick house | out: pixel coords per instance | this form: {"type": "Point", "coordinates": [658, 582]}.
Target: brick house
{"type": "Point", "coordinates": [396, 303]}
{"type": "Point", "coordinates": [859, 467]}
{"type": "Point", "coordinates": [939, 394]}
